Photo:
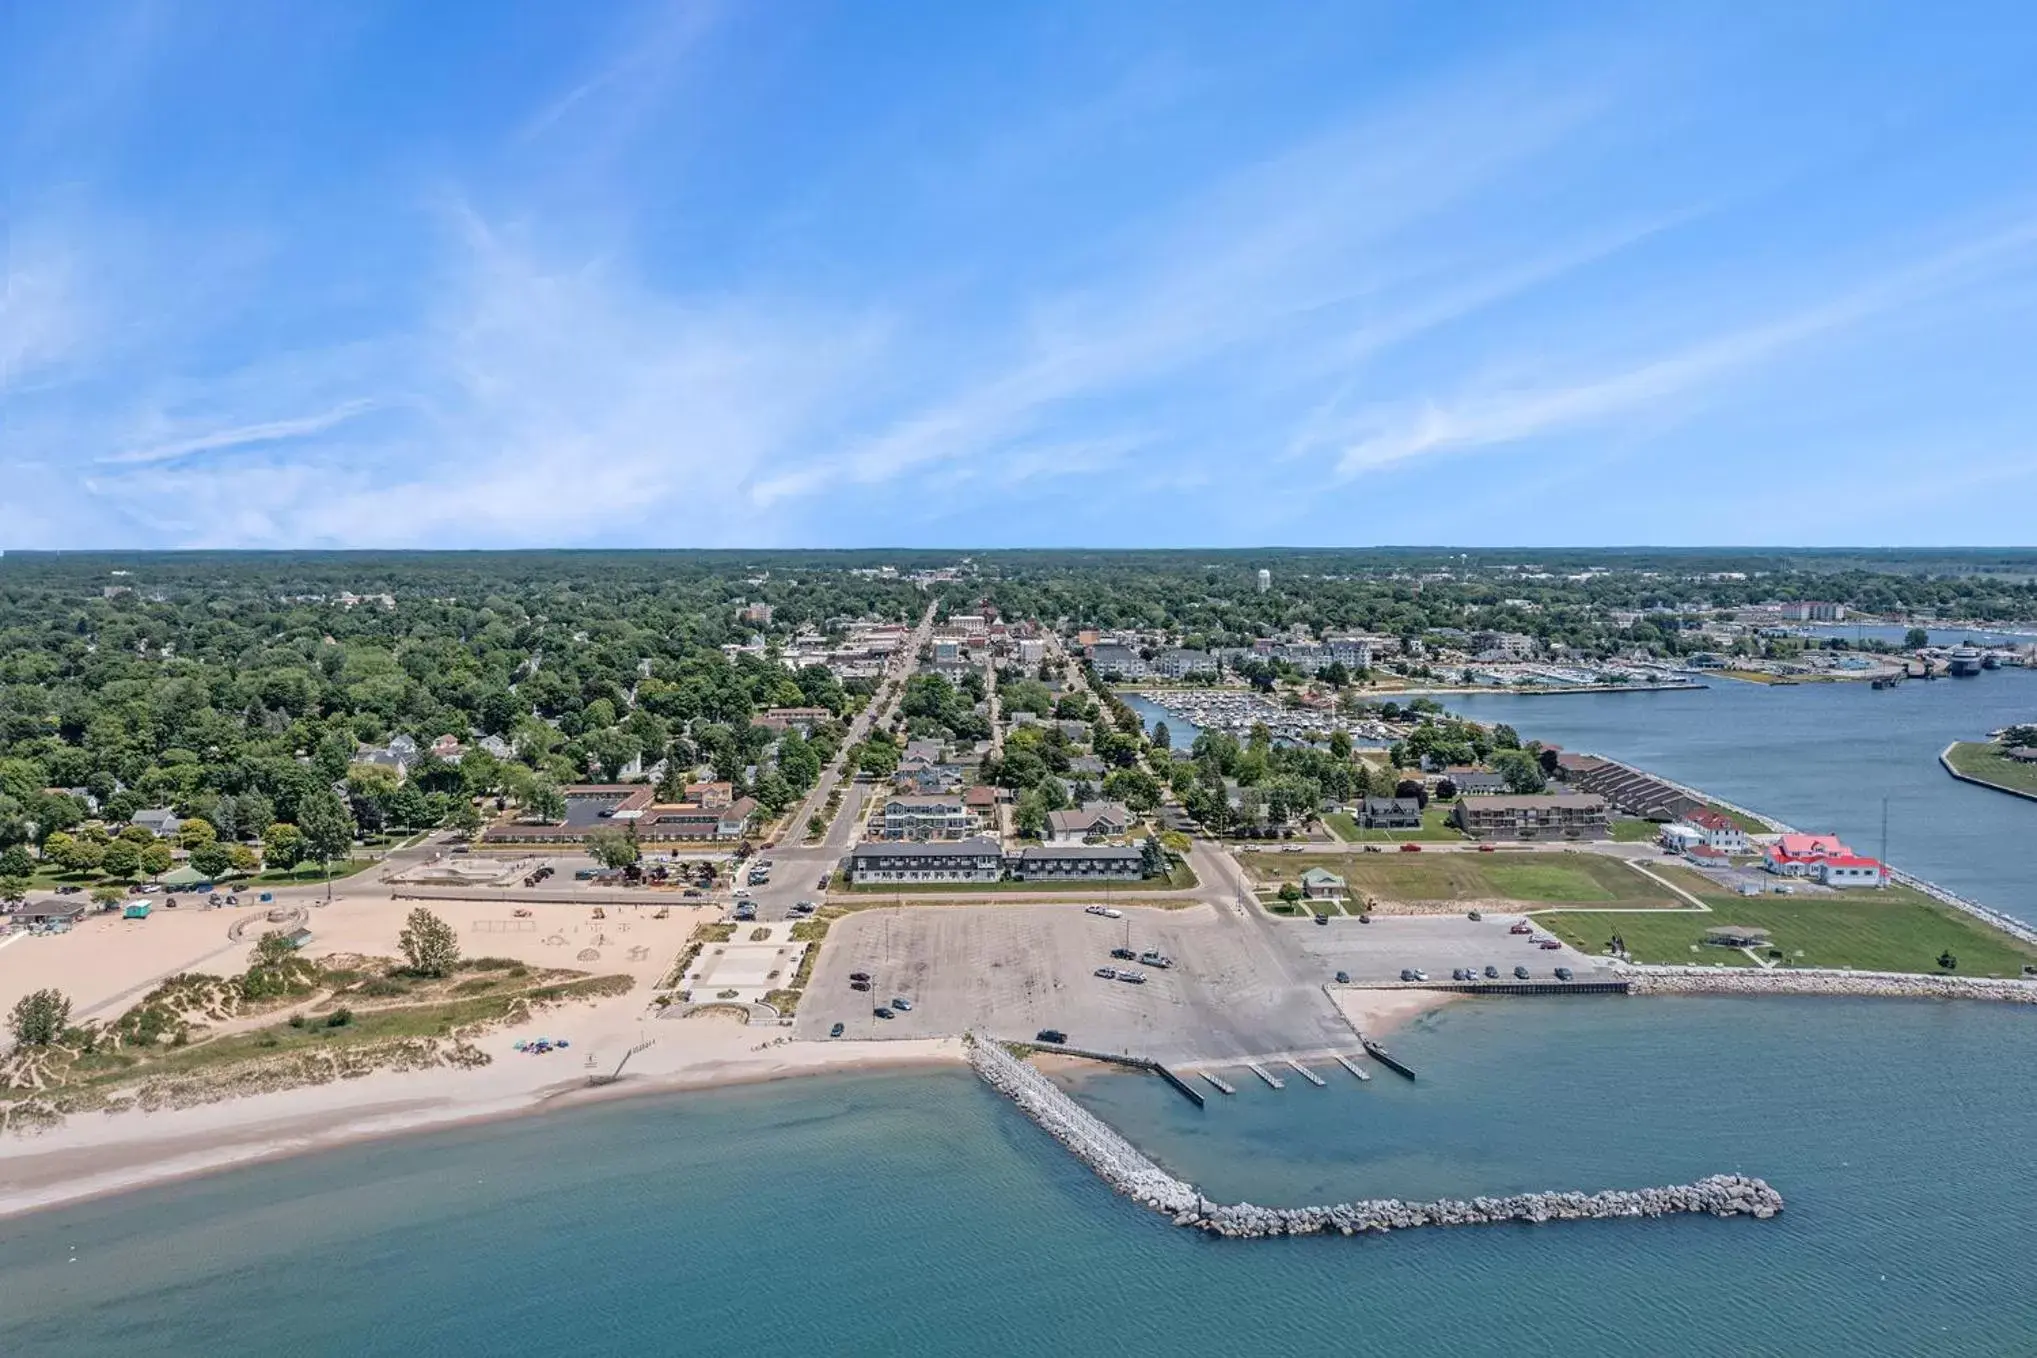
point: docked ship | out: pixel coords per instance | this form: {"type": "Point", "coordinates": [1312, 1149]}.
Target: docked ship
{"type": "Point", "coordinates": [1963, 662]}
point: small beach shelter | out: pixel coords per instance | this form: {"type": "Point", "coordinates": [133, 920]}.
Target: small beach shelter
{"type": "Point", "coordinates": [1319, 884]}
{"type": "Point", "coordinates": [186, 876]}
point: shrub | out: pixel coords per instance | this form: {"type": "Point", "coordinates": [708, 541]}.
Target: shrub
{"type": "Point", "coordinates": [339, 1018]}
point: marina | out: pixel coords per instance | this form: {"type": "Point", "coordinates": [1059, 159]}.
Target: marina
{"type": "Point", "coordinates": [1235, 712]}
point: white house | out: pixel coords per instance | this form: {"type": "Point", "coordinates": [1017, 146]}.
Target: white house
{"type": "Point", "coordinates": [1715, 830]}
{"type": "Point", "coordinates": [1849, 870]}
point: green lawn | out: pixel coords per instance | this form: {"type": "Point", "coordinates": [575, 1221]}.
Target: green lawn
{"type": "Point", "coordinates": [1435, 827]}
{"type": "Point", "coordinates": [1978, 759]}
{"type": "Point", "coordinates": [1894, 929]}
{"type": "Point", "coordinates": [1747, 823]}
{"type": "Point", "coordinates": [1627, 830]}
{"type": "Point", "coordinates": [305, 873]}
{"type": "Point", "coordinates": [1530, 878]}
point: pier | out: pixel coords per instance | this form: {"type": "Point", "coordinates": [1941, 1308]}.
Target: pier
{"type": "Point", "coordinates": [1348, 1064]}
{"type": "Point", "coordinates": [1264, 1074]}
{"type": "Point", "coordinates": [1223, 1087]}
{"type": "Point", "coordinates": [1386, 1058]}
{"type": "Point", "coordinates": [1181, 1086]}
{"type": "Point", "coordinates": [1305, 1072]}
{"type": "Point", "coordinates": [1130, 1172]}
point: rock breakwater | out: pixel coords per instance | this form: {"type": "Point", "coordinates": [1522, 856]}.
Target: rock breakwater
{"type": "Point", "coordinates": [1805, 981]}
{"type": "Point", "coordinates": [1128, 1170]}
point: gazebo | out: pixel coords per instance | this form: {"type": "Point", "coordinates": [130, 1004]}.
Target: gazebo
{"type": "Point", "coordinates": [178, 879]}
{"type": "Point", "coordinates": [1736, 936]}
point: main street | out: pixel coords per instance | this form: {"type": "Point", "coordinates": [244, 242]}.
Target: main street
{"type": "Point", "coordinates": [798, 869]}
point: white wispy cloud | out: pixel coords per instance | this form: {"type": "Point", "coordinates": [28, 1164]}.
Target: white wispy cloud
{"type": "Point", "coordinates": [246, 435]}
{"type": "Point", "coordinates": [1487, 418]}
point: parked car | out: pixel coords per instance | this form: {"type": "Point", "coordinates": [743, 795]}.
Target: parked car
{"type": "Point", "coordinates": [822, 883]}
{"type": "Point", "coordinates": [1492, 973]}
{"type": "Point", "coordinates": [1322, 919]}
{"type": "Point", "coordinates": [1374, 848]}
{"type": "Point", "coordinates": [1054, 1035]}
{"type": "Point", "coordinates": [1410, 848]}
{"type": "Point", "coordinates": [1364, 918]}
{"type": "Point", "coordinates": [1124, 954]}
{"type": "Point", "coordinates": [881, 1012]}
{"type": "Point", "coordinates": [835, 1031]}
{"type": "Point", "coordinates": [859, 985]}
{"type": "Point", "coordinates": [1520, 973]}
{"type": "Point", "coordinates": [1132, 977]}
{"type": "Point", "coordinates": [1563, 973]}
{"type": "Point", "coordinates": [1343, 978]}
{"type": "Point", "coordinates": [1485, 848]}
{"type": "Point", "coordinates": [859, 975]}
{"type": "Point", "coordinates": [1107, 973]}
{"type": "Point", "coordinates": [901, 1004]}
{"type": "Point", "coordinates": [1549, 945]}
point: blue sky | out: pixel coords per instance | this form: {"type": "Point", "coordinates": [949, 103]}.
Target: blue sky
{"type": "Point", "coordinates": [1006, 275]}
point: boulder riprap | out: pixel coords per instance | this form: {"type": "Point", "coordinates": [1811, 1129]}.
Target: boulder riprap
{"type": "Point", "coordinates": [1128, 1170]}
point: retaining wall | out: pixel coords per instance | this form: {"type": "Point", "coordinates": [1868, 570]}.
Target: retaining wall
{"type": "Point", "coordinates": [1128, 1170]}
{"type": "Point", "coordinates": [1805, 981]}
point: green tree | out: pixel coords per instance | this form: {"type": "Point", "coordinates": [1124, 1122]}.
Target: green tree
{"type": "Point", "coordinates": [327, 828]}
{"type": "Point", "coordinates": [273, 949]}
{"type": "Point", "coordinates": [71, 853]}
{"type": "Point", "coordinates": [39, 1018]}
{"type": "Point", "coordinates": [545, 802]}
{"type": "Point", "coordinates": [1522, 771]}
{"type": "Point", "coordinates": [156, 859]}
{"type": "Point", "coordinates": [1916, 639]}
{"type": "Point", "coordinates": [214, 859]}
{"type": "Point", "coordinates": [121, 858]}
{"type": "Point", "coordinates": [105, 897]}
{"type": "Point", "coordinates": [15, 888]}
{"type": "Point", "coordinates": [282, 846]}
{"type": "Point", "coordinates": [17, 862]}
{"type": "Point", "coordinates": [428, 944]}
{"type": "Point", "coordinates": [612, 848]}
{"type": "Point", "coordinates": [195, 831]}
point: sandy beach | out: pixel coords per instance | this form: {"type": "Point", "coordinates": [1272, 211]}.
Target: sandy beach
{"type": "Point", "coordinates": [107, 964]}
{"type": "Point", "coordinates": [1378, 1012]}
{"type": "Point", "coordinates": [95, 1154]}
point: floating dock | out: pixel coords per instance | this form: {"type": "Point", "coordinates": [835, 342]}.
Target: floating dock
{"type": "Point", "coordinates": [1264, 1074]}
{"type": "Point", "coordinates": [1352, 1066]}
{"type": "Point", "coordinates": [1223, 1087]}
{"type": "Point", "coordinates": [1305, 1072]}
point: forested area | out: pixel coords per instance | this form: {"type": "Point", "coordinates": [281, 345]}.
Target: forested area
{"type": "Point", "coordinates": [237, 690]}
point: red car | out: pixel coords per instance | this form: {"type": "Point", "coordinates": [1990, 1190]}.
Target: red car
{"type": "Point", "coordinates": [1410, 848]}
{"type": "Point", "coordinates": [1485, 848]}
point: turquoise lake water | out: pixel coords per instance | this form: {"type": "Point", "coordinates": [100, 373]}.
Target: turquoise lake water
{"type": "Point", "coordinates": [1823, 757]}
{"type": "Point", "coordinates": [922, 1214]}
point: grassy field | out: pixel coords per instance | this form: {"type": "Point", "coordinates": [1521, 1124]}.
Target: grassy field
{"type": "Point", "coordinates": [1435, 827]}
{"type": "Point", "coordinates": [1894, 929]}
{"type": "Point", "coordinates": [1627, 830]}
{"type": "Point", "coordinates": [1531, 878]}
{"type": "Point", "coordinates": [1978, 759]}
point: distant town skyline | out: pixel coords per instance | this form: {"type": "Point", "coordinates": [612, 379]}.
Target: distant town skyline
{"type": "Point", "coordinates": [697, 274]}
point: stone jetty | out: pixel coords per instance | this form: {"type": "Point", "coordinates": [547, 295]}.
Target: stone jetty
{"type": "Point", "coordinates": [1128, 1170]}
{"type": "Point", "coordinates": [1809, 981]}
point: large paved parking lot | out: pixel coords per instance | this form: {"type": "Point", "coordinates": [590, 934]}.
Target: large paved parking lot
{"type": "Point", "coordinates": [1240, 987]}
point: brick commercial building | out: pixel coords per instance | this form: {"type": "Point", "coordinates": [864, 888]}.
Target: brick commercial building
{"type": "Point", "coordinates": [1541, 816]}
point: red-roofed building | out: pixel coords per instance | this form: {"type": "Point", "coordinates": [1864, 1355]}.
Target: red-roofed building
{"type": "Point", "coordinates": [1849, 870]}
{"type": "Point", "coordinates": [1799, 855]}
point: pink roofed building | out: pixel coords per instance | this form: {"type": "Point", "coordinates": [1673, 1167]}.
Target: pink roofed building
{"type": "Point", "coordinates": [1796, 855]}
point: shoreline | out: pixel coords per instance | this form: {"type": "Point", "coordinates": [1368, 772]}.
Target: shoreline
{"type": "Point", "coordinates": [91, 1157]}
